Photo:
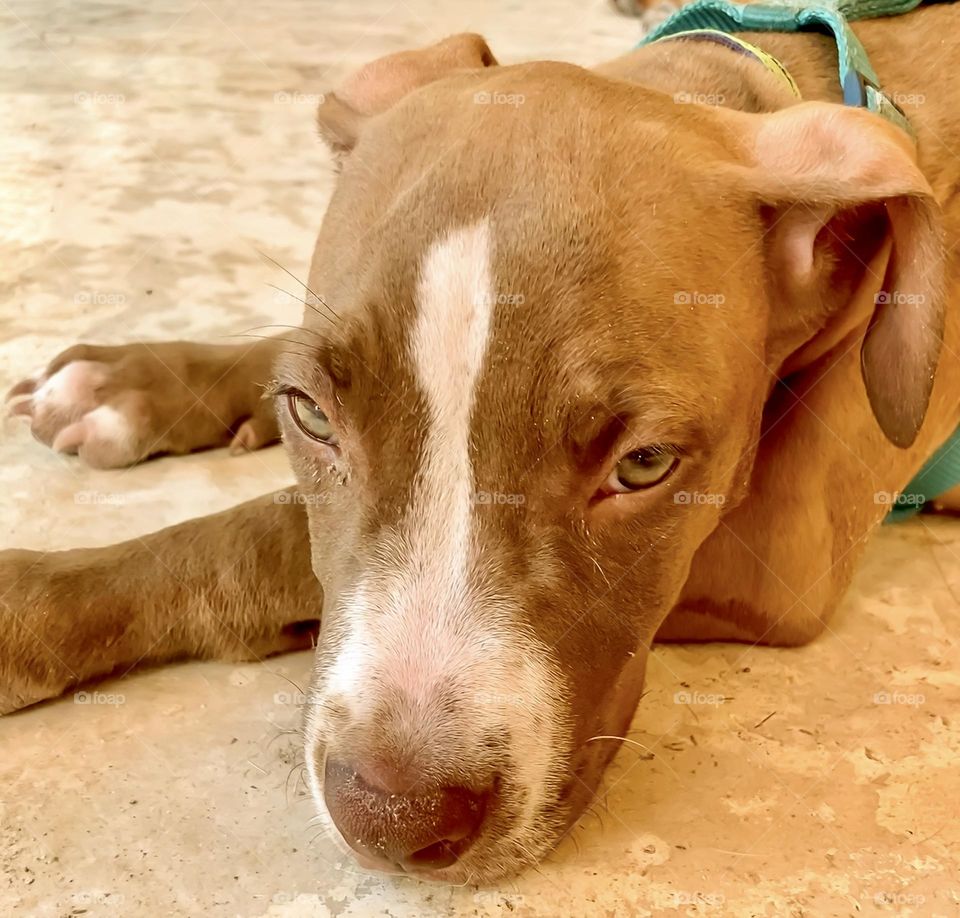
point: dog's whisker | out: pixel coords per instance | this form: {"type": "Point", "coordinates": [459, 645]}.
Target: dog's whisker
{"type": "Point", "coordinates": [301, 792]}
{"type": "Point", "coordinates": [734, 853]}
{"type": "Point", "coordinates": [286, 784]}
{"type": "Point", "coordinates": [316, 296]}
{"type": "Point", "coordinates": [279, 675]}
{"type": "Point", "coordinates": [288, 731]}
{"type": "Point", "coordinates": [292, 296]}
{"type": "Point", "coordinates": [593, 811]}
{"type": "Point", "coordinates": [310, 353]}
{"type": "Point", "coordinates": [297, 328]}
{"type": "Point", "coordinates": [639, 746]}
{"type": "Point", "coordinates": [529, 858]}
{"type": "Point", "coordinates": [272, 338]}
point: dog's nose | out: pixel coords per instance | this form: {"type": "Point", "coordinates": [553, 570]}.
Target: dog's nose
{"type": "Point", "coordinates": [380, 814]}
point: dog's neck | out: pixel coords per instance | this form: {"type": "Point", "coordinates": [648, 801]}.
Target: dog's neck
{"type": "Point", "coordinates": [704, 72]}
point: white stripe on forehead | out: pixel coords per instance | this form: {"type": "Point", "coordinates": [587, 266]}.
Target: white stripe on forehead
{"type": "Point", "coordinates": [448, 342]}
{"type": "Point", "coordinates": [416, 624]}
{"type": "Point", "coordinates": [417, 631]}
{"type": "Point", "coordinates": [454, 296]}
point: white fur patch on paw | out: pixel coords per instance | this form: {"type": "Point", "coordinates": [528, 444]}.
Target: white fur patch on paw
{"type": "Point", "coordinates": [75, 383]}
{"type": "Point", "coordinates": [109, 425]}
{"type": "Point", "coordinates": [104, 426]}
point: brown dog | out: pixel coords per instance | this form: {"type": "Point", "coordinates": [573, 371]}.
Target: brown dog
{"type": "Point", "coordinates": [582, 365]}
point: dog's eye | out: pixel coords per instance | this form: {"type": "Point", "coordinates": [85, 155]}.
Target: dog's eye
{"type": "Point", "coordinates": [640, 469]}
{"type": "Point", "coordinates": [311, 419]}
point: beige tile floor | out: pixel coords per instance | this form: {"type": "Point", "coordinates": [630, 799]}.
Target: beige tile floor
{"type": "Point", "coordinates": [149, 150]}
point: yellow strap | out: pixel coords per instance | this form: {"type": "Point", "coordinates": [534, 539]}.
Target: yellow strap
{"type": "Point", "coordinates": [768, 60]}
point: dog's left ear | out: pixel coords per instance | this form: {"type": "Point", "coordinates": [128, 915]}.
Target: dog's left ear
{"type": "Point", "coordinates": [383, 82]}
{"type": "Point", "coordinates": [852, 216]}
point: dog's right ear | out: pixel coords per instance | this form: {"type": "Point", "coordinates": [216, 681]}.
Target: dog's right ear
{"type": "Point", "coordinates": [383, 82]}
{"type": "Point", "coordinates": [851, 213]}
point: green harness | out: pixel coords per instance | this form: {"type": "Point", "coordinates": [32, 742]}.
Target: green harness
{"type": "Point", "coordinates": [716, 21]}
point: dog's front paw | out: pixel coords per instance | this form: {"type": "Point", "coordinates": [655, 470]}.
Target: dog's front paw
{"type": "Point", "coordinates": [115, 406]}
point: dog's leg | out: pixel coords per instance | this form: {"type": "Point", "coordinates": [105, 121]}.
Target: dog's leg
{"type": "Point", "coordinates": [115, 406]}
{"type": "Point", "coordinates": [237, 584]}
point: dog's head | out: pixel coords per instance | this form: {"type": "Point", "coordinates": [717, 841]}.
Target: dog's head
{"type": "Point", "coordinates": [546, 311]}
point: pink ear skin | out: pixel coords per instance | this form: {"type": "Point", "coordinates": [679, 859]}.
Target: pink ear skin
{"type": "Point", "coordinates": [855, 225]}
{"type": "Point", "coordinates": [338, 124]}
{"type": "Point", "coordinates": [380, 84]}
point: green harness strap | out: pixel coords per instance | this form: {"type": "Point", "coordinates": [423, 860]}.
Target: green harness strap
{"type": "Point", "coordinates": [858, 80]}
{"type": "Point", "coordinates": [940, 473]}
{"type": "Point", "coordinates": [710, 19]}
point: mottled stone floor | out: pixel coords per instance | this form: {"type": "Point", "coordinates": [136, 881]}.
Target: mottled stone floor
{"type": "Point", "coordinates": [149, 151]}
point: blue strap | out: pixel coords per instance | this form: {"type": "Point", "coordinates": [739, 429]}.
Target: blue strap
{"type": "Point", "coordinates": [940, 474]}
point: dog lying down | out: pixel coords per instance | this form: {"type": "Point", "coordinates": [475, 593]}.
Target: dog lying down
{"type": "Point", "coordinates": [582, 365]}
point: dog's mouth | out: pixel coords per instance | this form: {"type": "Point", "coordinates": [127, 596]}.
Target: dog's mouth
{"type": "Point", "coordinates": [440, 851]}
